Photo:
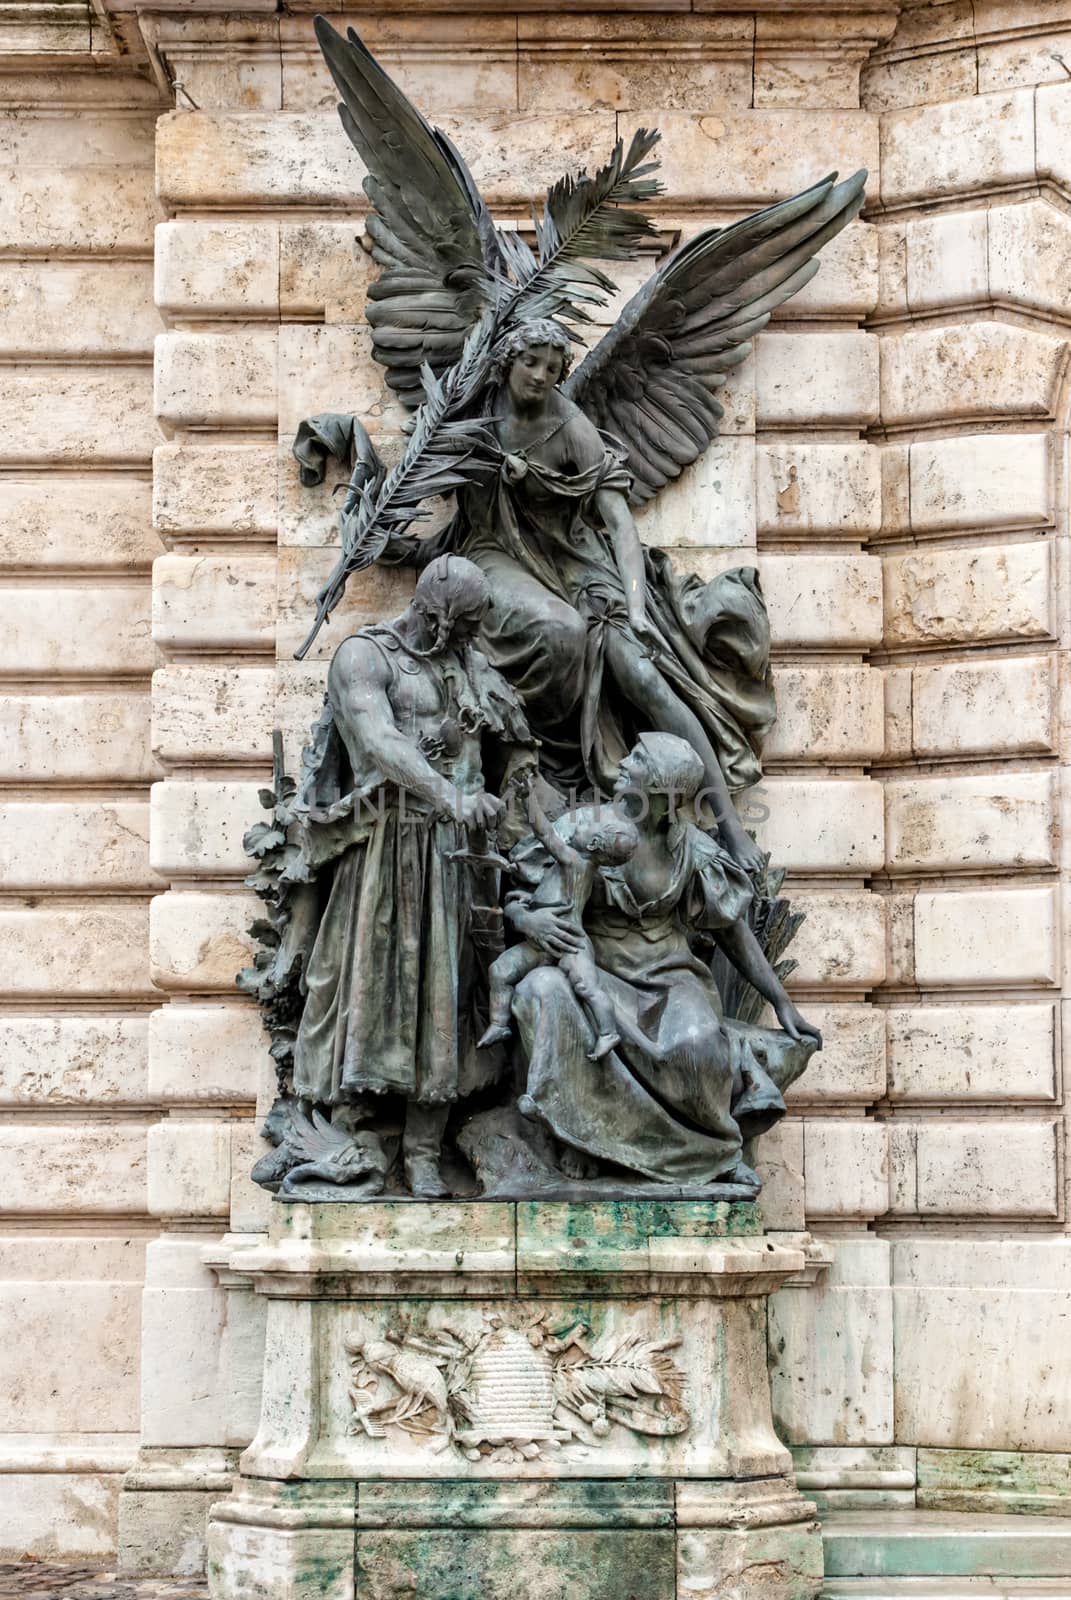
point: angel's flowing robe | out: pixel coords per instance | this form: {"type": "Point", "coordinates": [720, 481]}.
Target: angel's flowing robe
{"type": "Point", "coordinates": [661, 1104]}
{"type": "Point", "coordinates": [557, 590]}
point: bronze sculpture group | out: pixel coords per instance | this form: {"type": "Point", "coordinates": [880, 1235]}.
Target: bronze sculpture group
{"type": "Point", "coordinates": [510, 900]}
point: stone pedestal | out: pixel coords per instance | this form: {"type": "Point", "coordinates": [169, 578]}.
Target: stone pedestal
{"type": "Point", "coordinates": [459, 1394]}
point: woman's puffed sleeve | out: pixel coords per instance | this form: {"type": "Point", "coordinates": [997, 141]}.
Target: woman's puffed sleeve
{"type": "Point", "coordinates": [718, 892]}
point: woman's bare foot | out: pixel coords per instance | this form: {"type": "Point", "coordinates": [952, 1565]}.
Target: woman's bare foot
{"type": "Point", "coordinates": [603, 1045]}
{"type": "Point", "coordinates": [493, 1035]}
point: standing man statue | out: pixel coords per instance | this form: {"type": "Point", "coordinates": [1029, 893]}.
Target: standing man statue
{"type": "Point", "coordinates": [393, 789]}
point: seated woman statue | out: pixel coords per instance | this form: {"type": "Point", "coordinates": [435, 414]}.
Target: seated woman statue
{"type": "Point", "coordinates": [598, 635]}
{"type": "Point", "coordinates": [662, 1103]}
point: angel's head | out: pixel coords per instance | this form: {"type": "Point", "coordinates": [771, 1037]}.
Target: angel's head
{"type": "Point", "coordinates": [532, 359]}
{"type": "Point", "coordinates": [452, 595]}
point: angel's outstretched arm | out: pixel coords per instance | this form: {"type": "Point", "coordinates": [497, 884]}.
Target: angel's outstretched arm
{"type": "Point", "coordinates": [614, 510]}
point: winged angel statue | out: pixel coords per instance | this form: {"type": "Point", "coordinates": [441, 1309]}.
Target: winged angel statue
{"type": "Point", "coordinates": [590, 645]}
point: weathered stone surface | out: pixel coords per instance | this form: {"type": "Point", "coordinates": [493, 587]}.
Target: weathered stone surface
{"type": "Point", "coordinates": [851, 1064]}
{"type": "Point", "coordinates": [973, 370]}
{"type": "Point", "coordinates": [189, 1169]}
{"type": "Point", "coordinates": [960, 596]}
{"type": "Point", "coordinates": [216, 380]}
{"type": "Point", "coordinates": [210, 488]}
{"type": "Point", "coordinates": [831, 489]}
{"type": "Point", "coordinates": [962, 824]}
{"type": "Point", "coordinates": [986, 936]}
{"type": "Point", "coordinates": [59, 1516]}
{"type": "Point", "coordinates": [967, 145]}
{"type": "Point", "coordinates": [212, 714]}
{"type": "Point", "coordinates": [88, 1168]}
{"type": "Point", "coordinates": [817, 379]}
{"type": "Point", "coordinates": [978, 1169]}
{"type": "Point", "coordinates": [197, 828]}
{"type": "Point", "coordinates": [106, 522]}
{"type": "Point", "coordinates": [846, 1165]}
{"type": "Point", "coordinates": [842, 943]}
{"type": "Point", "coordinates": [99, 1059]}
{"type": "Point", "coordinates": [947, 260]}
{"type": "Point", "coordinates": [982, 481]}
{"type": "Point", "coordinates": [331, 369]}
{"type": "Point", "coordinates": [324, 270]}
{"type": "Point", "coordinates": [624, 83]}
{"type": "Point", "coordinates": [218, 269]}
{"type": "Point", "coordinates": [1002, 1481]}
{"type": "Point", "coordinates": [214, 602]}
{"type": "Point", "coordinates": [67, 738]}
{"type": "Point", "coordinates": [372, 595]}
{"type": "Point", "coordinates": [92, 632]}
{"type": "Point", "coordinates": [974, 1300]}
{"type": "Point", "coordinates": [183, 1384]}
{"type": "Point", "coordinates": [84, 210]}
{"type": "Point", "coordinates": [826, 714]}
{"type": "Point", "coordinates": [780, 1166]}
{"type": "Point", "coordinates": [1029, 251]}
{"type": "Point", "coordinates": [83, 416]}
{"type": "Point", "coordinates": [972, 1053]}
{"type": "Point", "coordinates": [62, 309]}
{"type": "Point", "coordinates": [712, 502]}
{"type": "Point", "coordinates": [822, 601]}
{"type": "Point", "coordinates": [96, 951]}
{"type": "Point", "coordinates": [205, 1053]}
{"type": "Point", "coordinates": [897, 682]}
{"type": "Point", "coordinates": [198, 941]}
{"type": "Point", "coordinates": [818, 825]}
{"type": "Point", "coordinates": [75, 845]}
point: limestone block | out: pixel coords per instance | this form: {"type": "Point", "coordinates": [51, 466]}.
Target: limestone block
{"type": "Point", "coordinates": [250, 159]}
{"type": "Point", "coordinates": [817, 379]}
{"type": "Point", "coordinates": [846, 283]}
{"type": "Point", "coordinates": [898, 691]}
{"type": "Point", "coordinates": [964, 596]}
{"type": "Point", "coordinates": [95, 1059]}
{"type": "Point", "coordinates": [826, 714]}
{"type": "Point", "coordinates": [712, 502]}
{"type": "Point", "coordinates": [851, 1064]}
{"type": "Point", "coordinates": [60, 1516]}
{"type": "Point", "coordinates": [1006, 819]}
{"type": "Point", "coordinates": [331, 369]}
{"type": "Point", "coordinates": [199, 941]}
{"type": "Point", "coordinates": [197, 828]}
{"type": "Point", "coordinates": [189, 1168]}
{"type": "Point", "coordinates": [986, 936]}
{"type": "Point", "coordinates": [249, 1206]}
{"type": "Point", "coordinates": [966, 145]}
{"type": "Point", "coordinates": [947, 261]}
{"type": "Point", "coordinates": [831, 1349]}
{"type": "Point", "coordinates": [969, 370]}
{"type": "Point", "coordinates": [106, 522]}
{"type": "Point", "coordinates": [842, 943]}
{"type": "Point", "coordinates": [214, 602]}
{"type": "Point", "coordinates": [205, 1053]}
{"type": "Point", "coordinates": [780, 1165]}
{"type": "Point", "coordinates": [983, 1169]}
{"type": "Point", "coordinates": [223, 489]}
{"type": "Point", "coordinates": [549, 82]}
{"type": "Point", "coordinates": [216, 380]}
{"type": "Point", "coordinates": [1004, 706]}
{"type": "Point", "coordinates": [62, 738]}
{"type": "Point", "coordinates": [75, 631]}
{"type": "Point", "coordinates": [1053, 121]}
{"type": "Point", "coordinates": [895, 488]}
{"type": "Point", "coordinates": [971, 1053]}
{"type": "Point", "coordinates": [218, 269]}
{"type": "Point", "coordinates": [81, 416]}
{"type": "Point", "coordinates": [93, 951]}
{"type": "Point", "coordinates": [212, 714]}
{"type": "Point", "coordinates": [371, 596]}
{"type": "Point", "coordinates": [183, 1320]}
{"type": "Point", "coordinates": [1029, 255]}
{"type": "Point", "coordinates": [831, 489]}
{"type": "Point", "coordinates": [900, 931]}
{"type": "Point", "coordinates": [324, 271]}
{"type": "Point", "coordinates": [816, 825]}
{"type": "Point", "coordinates": [755, 156]}
{"type": "Point", "coordinates": [739, 1563]}
{"type": "Point", "coordinates": [846, 1163]}
{"type": "Point", "coordinates": [921, 79]}
{"type": "Point", "coordinates": [1024, 58]}
{"type": "Point", "coordinates": [301, 686]}
{"type": "Point", "coordinates": [1004, 1482]}
{"type": "Point", "coordinates": [822, 601]}
{"type": "Point", "coordinates": [67, 309]}
{"type": "Point", "coordinates": [62, 845]}
{"type": "Point", "coordinates": [81, 210]}
{"type": "Point", "coordinates": [103, 137]}
{"type": "Point", "coordinates": [88, 1168]}
{"type": "Point", "coordinates": [974, 1300]}
{"type": "Point", "coordinates": [983, 481]}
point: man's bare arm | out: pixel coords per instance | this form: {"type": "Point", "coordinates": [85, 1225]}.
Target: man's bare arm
{"type": "Point", "coordinates": [358, 683]}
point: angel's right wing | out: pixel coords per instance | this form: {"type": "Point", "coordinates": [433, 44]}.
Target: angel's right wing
{"type": "Point", "coordinates": [652, 381]}
{"type": "Point", "coordinates": [431, 232]}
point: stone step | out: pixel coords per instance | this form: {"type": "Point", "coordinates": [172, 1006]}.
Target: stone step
{"type": "Point", "coordinates": [946, 1589]}
{"type": "Point", "coordinates": [945, 1545]}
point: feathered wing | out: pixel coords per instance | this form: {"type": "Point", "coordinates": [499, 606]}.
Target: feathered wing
{"type": "Point", "coordinates": [431, 232]}
{"type": "Point", "coordinates": [652, 381]}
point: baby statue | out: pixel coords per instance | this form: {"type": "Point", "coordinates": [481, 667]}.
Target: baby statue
{"type": "Point", "coordinates": [578, 843]}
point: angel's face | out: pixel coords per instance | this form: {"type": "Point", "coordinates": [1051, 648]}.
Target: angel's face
{"type": "Point", "coordinates": [534, 373]}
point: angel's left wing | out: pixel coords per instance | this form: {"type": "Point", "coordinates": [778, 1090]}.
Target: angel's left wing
{"type": "Point", "coordinates": [431, 232]}
{"type": "Point", "coordinates": [652, 381]}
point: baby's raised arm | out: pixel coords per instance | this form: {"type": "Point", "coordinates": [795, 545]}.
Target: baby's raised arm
{"type": "Point", "coordinates": [564, 854]}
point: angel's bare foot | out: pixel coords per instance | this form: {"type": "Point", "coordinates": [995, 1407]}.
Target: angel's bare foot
{"type": "Point", "coordinates": [493, 1035]}
{"type": "Point", "coordinates": [603, 1045]}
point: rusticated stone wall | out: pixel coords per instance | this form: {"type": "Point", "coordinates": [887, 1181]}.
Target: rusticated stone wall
{"type": "Point", "coordinates": [894, 461]}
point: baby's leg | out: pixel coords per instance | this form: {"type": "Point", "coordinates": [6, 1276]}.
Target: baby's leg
{"type": "Point", "coordinates": [504, 974]}
{"type": "Point", "coordinates": [583, 974]}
